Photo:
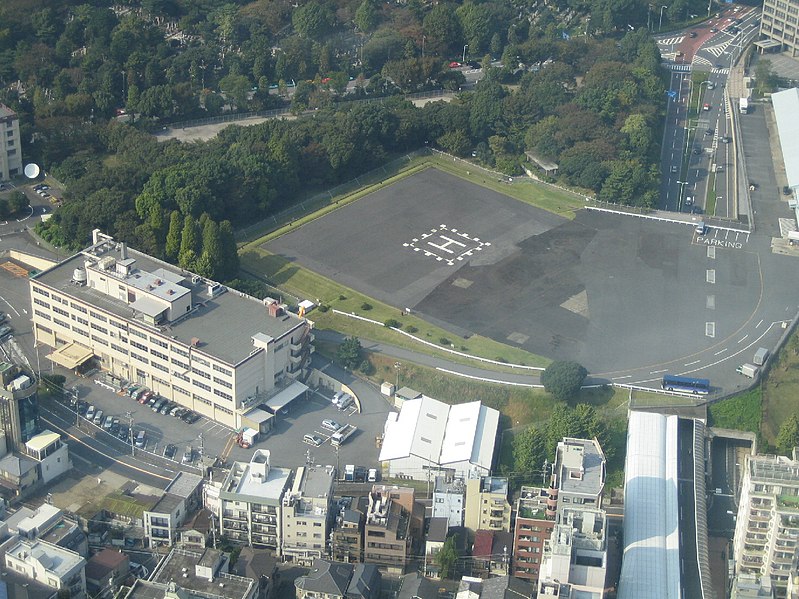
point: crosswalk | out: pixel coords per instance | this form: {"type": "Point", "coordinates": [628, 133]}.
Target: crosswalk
{"type": "Point", "coordinates": [719, 49]}
{"type": "Point", "coordinates": [670, 40]}
{"type": "Point", "coordinates": [701, 60]}
{"type": "Point", "coordinates": [724, 71]}
{"type": "Point", "coordinates": [680, 67]}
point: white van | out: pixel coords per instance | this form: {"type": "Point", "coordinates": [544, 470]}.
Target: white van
{"type": "Point", "coordinates": [372, 476]}
{"type": "Point", "coordinates": [337, 397]}
{"type": "Point", "coordinates": [345, 402]}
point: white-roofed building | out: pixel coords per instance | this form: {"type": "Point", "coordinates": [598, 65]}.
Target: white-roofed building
{"type": "Point", "coordinates": [651, 562]}
{"type": "Point", "coordinates": [431, 435]}
{"type": "Point", "coordinates": [786, 112]}
{"type": "Point", "coordinates": [53, 566]}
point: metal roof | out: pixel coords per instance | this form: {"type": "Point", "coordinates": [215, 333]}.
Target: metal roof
{"type": "Point", "coordinates": [651, 563]}
{"type": "Point", "coordinates": [443, 434]}
{"type": "Point", "coordinates": [786, 110]}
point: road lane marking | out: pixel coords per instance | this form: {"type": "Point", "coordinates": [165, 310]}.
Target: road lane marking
{"type": "Point", "coordinates": [659, 371]}
{"type": "Point", "coordinates": [692, 363]}
{"type": "Point", "coordinates": [618, 378]}
{"type": "Point", "coordinates": [710, 302]}
{"type": "Point", "coordinates": [720, 352]}
{"type": "Point", "coordinates": [710, 276]}
{"type": "Point", "coordinates": [757, 326]}
{"type": "Point", "coordinates": [710, 329]}
{"type": "Point", "coordinates": [743, 338]}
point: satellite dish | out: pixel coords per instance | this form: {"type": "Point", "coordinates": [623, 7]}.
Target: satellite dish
{"type": "Point", "coordinates": [31, 170]}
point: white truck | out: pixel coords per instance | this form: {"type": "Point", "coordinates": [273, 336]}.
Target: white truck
{"type": "Point", "coordinates": [342, 434]}
{"type": "Point", "coordinates": [760, 357]}
{"type": "Point", "coordinates": [743, 105]}
{"type": "Point", "coordinates": [748, 370]}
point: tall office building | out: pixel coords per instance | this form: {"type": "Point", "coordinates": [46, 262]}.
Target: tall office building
{"type": "Point", "coordinates": [778, 26]}
{"type": "Point", "coordinates": [219, 352]}
{"type": "Point", "coordinates": [767, 527]}
{"type": "Point", "coordinates": [10, 146]}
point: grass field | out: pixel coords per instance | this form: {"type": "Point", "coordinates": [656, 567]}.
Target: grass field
{"type": "Point", "coordinates": [742, 412]}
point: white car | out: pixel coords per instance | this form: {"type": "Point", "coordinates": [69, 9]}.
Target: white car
{"type": "Point", "coordinates": [330, 425]}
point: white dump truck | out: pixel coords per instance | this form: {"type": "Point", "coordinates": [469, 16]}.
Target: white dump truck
{"type": "Point", "coordinates": [748, 370]}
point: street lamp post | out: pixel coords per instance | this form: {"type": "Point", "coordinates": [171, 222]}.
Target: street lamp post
{"type": "Point", "coordinates": [660, 24]}
{"type": "Point", "coordinates": [424, 37]}
{"type": "Point", "coordinates": [463, 58]}
{"type": "Point", "coordinates": [397, 366]}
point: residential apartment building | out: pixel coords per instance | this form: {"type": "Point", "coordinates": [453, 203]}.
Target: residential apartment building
{"type": "Point", "coordinates": [347, 537]}
{"type": "Point", "coordinates": [387, 533]}
{"type": "Point", "coordinates": [535, 519]}
{"type": "Point", "coordinates": [250, 499]}
{"type": "Point", "coordinates": [778, 26]}
{"type": "Point", "coordinates": [579, 473]}
{"type": "Point", "coordinates": [11, 148]}
{"type": "Point", "coordinates": [182, 496]}
{"type": "Point", "coordinates": [491, 553]}
{"type": "Point", "coordinates": [305, 514]}
{"type": "Point", "coordinates": [487, 506]}
{"type": "Point", "coordinates": [576, 555]}
{"type": "Point", "coordinates": [767, 526]}
{"type": "Point", "coordinates": [437, 532]}
{"type": "Point", "coordinates": [47, 564]}
{"type": "Point", "coordinates": [448, 500]}
{"type": "Point", "coordinates": [193, 341]}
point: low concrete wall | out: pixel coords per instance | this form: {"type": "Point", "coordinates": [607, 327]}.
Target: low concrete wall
{"type": "Point", "coordinates": [319, 379]}
{"type": "Point", "coordinates": [30, 260]}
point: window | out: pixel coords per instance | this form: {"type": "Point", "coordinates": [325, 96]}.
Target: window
{"type": "Point", "coordinates": [201, 385]}
{"type": "Point", "coordinates": [41, 314]}
{"type": "Point", "coordinates": [98, 316]}
{"type": "Point", "coordinates": [79, 308]}
{"type": "Point", "coordinates": [199, 372]}
{"type": "Point", "coordinates": [138, 345]}
{"type": "Point", "coordinates": [137, 333]}
{"type": "Point", "coordinates": [41, 302]}
{"type": "Point", "coordinates": [41, 291]}
{"type": "Point", "coordinates": [97, 327]}
{"type": "Point", "coordinates": [223, 382]}
{"type": "Point", "coordinates": [224, 371]}
{"type": "Point", "coordinates": [223, 395]}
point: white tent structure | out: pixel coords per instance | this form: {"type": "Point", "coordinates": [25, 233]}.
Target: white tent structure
{"type": "Point", "coordinates": [429, 436]}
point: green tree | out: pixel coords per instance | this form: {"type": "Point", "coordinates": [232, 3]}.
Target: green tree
{"type": "Point", "coordinates": [236, 87]}
{"type": "Point", "coordinates": [455, 142]}
{"type": "Point", "coordinates": [563, 379]}
{"type": "Point", "coordinates": [189, 243]}
{"type": "Point", "coordinates": [228, 267]}
{"type": "Point", "coordinates": [447, 558]}
{"type": "Point", "coordinates": [313, 20]}
{"type": "Point", "coordinates": [349, 352]}
{"type": "Point", "coordinates": [174, 236]}
{"type": "Point", "coordinates": [788, 437]}
{"type": "Point", "coordinates": [366, 16]}
{"type": "Point", "coordinates": [442, 29]}
{"type": "Point", "coordinates": [529, 452]}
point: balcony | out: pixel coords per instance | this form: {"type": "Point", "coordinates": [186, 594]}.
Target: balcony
{"type": "Point", "coordinates": [788, 502]}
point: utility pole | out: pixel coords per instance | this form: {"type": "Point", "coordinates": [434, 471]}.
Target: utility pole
{"type": "Point", "coordinates": [397, 366]}
{"type": "Point", "coordinates": [660, 25]}
{"type": "Point", "coordinates": [130, 433]}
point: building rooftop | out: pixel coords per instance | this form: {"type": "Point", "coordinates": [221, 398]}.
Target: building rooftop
{"type": "Point", "coordinates": [257, 481]}
{"type": "Point", "coordinates": [184, 484]}
{"type": "Point", "coordinates": [494, 485]}
{"type": "Point", "coordinates": [167, 504]}
{"type": "Point", "coordinates": [455, 485]}
{"type": "Point", "coordinates": [54, 559]}
{"type": "Point", "coordinates": [330, 578]}
{"type": "Point", "coordinates": [220, 323]}
{"type": "Point", "coordinates": [437, 529]}
{"type": "Point", "coordinates": [786, 112]}
{"type": "Point", "coordinates": [103, 562]}
{"type": "Point", "coordinates": [17, 465]}
{"type": "Point", "coordinates": [180, 567]}
{"type": "Point", "coordinates": [505, 587]}
{"type": "Point", "coordinates": [483, 543]}
{"type": "Point", "coordinates": [773, 468]}
{"type": "Point", "coordinates": [5, 111]}
{"type": "Point", "coordinates": [365, 582]}
{"type": "Point", "coordinates": [30, 523]}
{"type": "Point", "coordinates": [16, 586]}
{"type": "Point", "coordinates": [443, 434]}
{"type": "Point", "coordinates": [313, 482]}
{"type": "Point", "coordinates": [580, 466]}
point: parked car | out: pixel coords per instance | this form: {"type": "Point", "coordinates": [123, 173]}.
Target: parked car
{"type": "Point", "coordinates": [114, 426]}
{"type": "Point", "coordinates": [133, 391]}
{"type": "Point", "coordinates": [141, 439]}
{"type": "Point", "coordinates": [158, 403]}
{"type": "Point", "coordinates": [98, 417]}
{"type": "Point", "coordinates": [81, 407]}
{"type": "Point", "coordinates": [5, 331]}
{"type": "Point", "coordinates": [123, 434]}
{"type": "Point", "coordinates": [346, 402]}
{"type": "Point", "coordinates": [153, 398]}
{"type": "Point", "coordinates": [330, 425]}
{"type": "Point", "coordinates": [90, 412]}
{"type": "Point", "coordinates": [107, 422]}
{"type": "Point", "coordinates": [166, 408]}
{"type": "Point", "coordinates": [188, 456]}
{"type": "Point", "coordinates": [312, 440]}
{"type": "Point", "coordinates": [190, 417]}
{"type": "Point", "coordinates": [177, 411]}
{"type": "Point", "coordinates": [170, 451]}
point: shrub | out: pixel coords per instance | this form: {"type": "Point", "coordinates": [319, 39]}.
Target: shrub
{"type": "Point", "coordinates": [444, 341]}
{"type": "Point", "coordinates": [411, 329]}
{"type": "Point", "coordinates": [366, 306]}
{"type": "Point", "coordinates": [367, 368]}
{"type": "Point", "coordinates": [563, 378]}
{"type": "Point", "coordinates": [323, 308]}
{"type": "Point", "coordinates": [342, 297]}
{"type": "Point", "coordinates": [392, 323]}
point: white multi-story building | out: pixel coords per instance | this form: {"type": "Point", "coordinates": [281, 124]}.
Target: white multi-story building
{"type": "Point", "coordinates": [448, 500]}
{"type": "Point", "coordinates": [778, 26]}
{"type": "Point", "coordinates": [193, 341]}
{"type": "Point", "coordinates": [47, 564]}
{"type": "Point", "coordinates": [10, 145]}
{"type": "Point", "coordinates": [250, 501]}
{"type": "Point", "coordinates": [182, 496]}
{"type": "Point", "coordinates": [576, 555]}
{"type": "Point", "coordinates": [767, 526]}
{"type": "Point", "coordinates": [579, 473]}
{"type": "Point", "coordinates": [305, 514]}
